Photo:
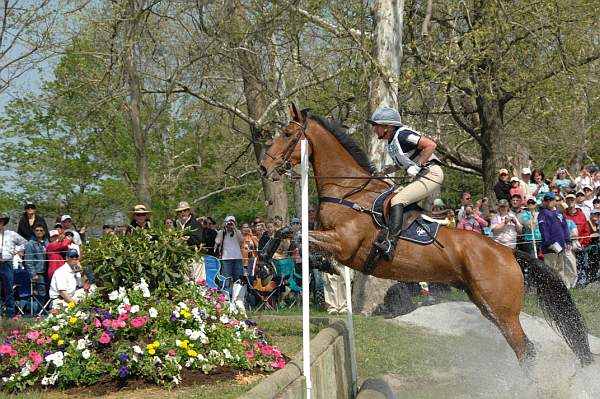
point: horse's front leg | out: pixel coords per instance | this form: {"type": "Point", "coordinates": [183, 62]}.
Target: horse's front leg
{"type": "Point", "coordinates": [326, 241]}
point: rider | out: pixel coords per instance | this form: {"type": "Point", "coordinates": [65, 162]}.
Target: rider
{"type": "Point", "coordinates": [413, 152]}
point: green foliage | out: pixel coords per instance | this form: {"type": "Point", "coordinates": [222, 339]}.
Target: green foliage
{"type": "Point", "coordinates": [159, 256]}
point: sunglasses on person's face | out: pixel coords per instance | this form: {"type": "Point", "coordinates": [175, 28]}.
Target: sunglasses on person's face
{"type": "Point", "coordinates": [39, 230]}
{"type": "Point", "coordinates": [530, 202]}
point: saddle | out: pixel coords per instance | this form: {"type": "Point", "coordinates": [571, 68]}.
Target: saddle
{"type": "Point", "coordinates": [417, 226]}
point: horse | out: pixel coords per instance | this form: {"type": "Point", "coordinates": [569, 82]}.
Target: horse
{"type": "Point", "coordinates": [491, 274]}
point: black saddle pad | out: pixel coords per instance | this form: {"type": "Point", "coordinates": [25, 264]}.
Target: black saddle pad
{"type": "Point", "coordinates": [421, 231]}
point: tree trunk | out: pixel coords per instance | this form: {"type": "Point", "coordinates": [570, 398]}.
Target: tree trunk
{"type": "Point", "coordinates": [369, 291]}
{"type": "Point", "coordinates": [255, 91]}
{"type": "Point", "coordinates": [133, 104]}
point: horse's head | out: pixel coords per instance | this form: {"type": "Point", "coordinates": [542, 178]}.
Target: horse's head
{"type": "Point", "coordinates": [284, 152]}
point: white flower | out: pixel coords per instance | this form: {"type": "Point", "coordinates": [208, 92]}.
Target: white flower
{"type": "Point", "coordinates": [227, 354]}
{"type": "Point", "coordinates": [56, 358]}
{"type": "Point", "coordinates": [176, 380]}
{"type": "Point", "coordinates": [176, 314]}
{"type": "Point", "coordinates": [113, 296]}
{"type": "Point", "coordinates": [137, 349]}
{"type": "Point", "coordinates": [182, 305]}
{"type": "Point", "coordinates": [153, 313]}
{"type": "Point", "coordinates": [25, 371]}
{"type": "Point", "coordinates": [126, 301]}
{"type": "Point", "coordinates": [55, 328]}
{"type": "Point", "coordinates": [81, 344]}
{"type": "Point", "coordinates": [224, 319]}
{"type": "Point", "coordinates": [86, 354]}
{"type": "Point", "coordinates": [134, 309]}
{"type": "Point", "coordinates": [122, 292]}
{"type": "Point", "coordinates": [45, 381]}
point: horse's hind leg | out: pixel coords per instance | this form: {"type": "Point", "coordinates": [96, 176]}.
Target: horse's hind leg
{"type": "Point", "coordinates": [502, 307]}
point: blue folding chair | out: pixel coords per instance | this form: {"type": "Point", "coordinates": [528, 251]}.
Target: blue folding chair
{"type": "Point", "coordinates": [286, 267]}
{"type": "Point", "coordinates": [23, 292]}
{"type": "Point", "coordinates": [212, 268]}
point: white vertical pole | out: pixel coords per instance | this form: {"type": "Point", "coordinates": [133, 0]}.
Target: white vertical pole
{"type": "Point", "coordinates": [351, 330]}
{"type": "Point", "coordinates": [305, 271]}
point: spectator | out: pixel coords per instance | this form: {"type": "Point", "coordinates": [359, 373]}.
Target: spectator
{"type": "Point", "coordinates": [209, 234]}
{"type": "Point", "coordinates": [470, 220]}
{"type": "Point", "coordinates": [538, 185]}
{"type": "Point", "coordinates": [28, 219]}
{"type": "Point", "coordinates": [529, 220]}
{"type": "Point", "coordinates": [465, 199]}
{"type": "Point", "coordinates": [67, 223]}
{"type": "Point", "coordinates": [516, 205]}
{"type": "Point", "coordinates": [596, 183]}
{"type": "Point", "coordinates": [169, 223]}
{"type": "Point", "coordinates": [36, 260]}
{"type": "Point", "coordinates": [556, 239]}
{"type": "Point", "coordinates": [334, 288]}
{"type": "Point", "coordinates": [249, 248]}
{"type": "Point", "coordinates": [108, 229]}
{"type": "Point", "coordinates": [18, 257]}
{"type": "Point", "coordinates": [312, 218]}
{"type": "Point", "coordinates": [595, 204]}
{"type": "Point", "coordinates": [581, 203]}
{"type": "Point", "coordinates": [502, 187]}
{"type": "Point", "coordinates": [266, 236]}
{"type": "Point", "coordinates": [525, 180]}
{"type": "Point", "coordinates": [515, 189]}
{"type": "Point", "coordinates": [9, 240]}
{"type": "Point", "coordinates": [505, 225]}
{"type": "Point", "coordinates": [229, 240]}
{"type": "Point", "coordinates": [66, 280]}
{"type": "Point", "coordinates": [139, 218]}
{"type": "Point", "coordinates": [570, 260]}
{"type": "Point", "coordinates": [59, 227]}
{"type": "Point", "coordinates": [57, 246]}
{"type": "Point", "coordinates": [70, 235]}
{"type": "Point", "coordinates": [588, 191]}
{"type": "Point", "coordinates": [577, 216]}
{"type": "Point", "coordinates": [563, 180]}
{"type": "Point", "coordinates": [583, 179]}
{"type": "Point", "coordinates": [186, 220]}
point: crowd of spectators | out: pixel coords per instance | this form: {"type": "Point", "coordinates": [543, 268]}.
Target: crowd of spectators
{"type": "Point", "coordinates": [555, 219]}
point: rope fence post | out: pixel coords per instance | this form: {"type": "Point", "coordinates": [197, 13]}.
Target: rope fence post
{"type": "Point", "coordinates": [305, 271]}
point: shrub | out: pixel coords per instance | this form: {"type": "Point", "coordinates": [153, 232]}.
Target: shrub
{"type": "Point", "coordinates": [160, 256]}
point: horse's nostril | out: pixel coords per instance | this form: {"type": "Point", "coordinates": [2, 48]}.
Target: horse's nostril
{"type": "Point", "coordinates": [262, 170]}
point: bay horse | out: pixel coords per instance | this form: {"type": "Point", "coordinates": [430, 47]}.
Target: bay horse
{"type": "Point", "coordinates": [492, 274]}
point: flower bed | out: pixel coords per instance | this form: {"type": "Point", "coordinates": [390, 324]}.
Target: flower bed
{"type": "Point", "coordinates": [135, 333]}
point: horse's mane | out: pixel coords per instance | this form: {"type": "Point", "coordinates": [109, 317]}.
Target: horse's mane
{"type": "Point", "coordinates": [346, 141]}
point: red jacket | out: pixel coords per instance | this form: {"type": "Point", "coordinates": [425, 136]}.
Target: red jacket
{"type": "Point", "coordinates": [583, 226]}
{"type": "Point", "coordinates": [55, 256]}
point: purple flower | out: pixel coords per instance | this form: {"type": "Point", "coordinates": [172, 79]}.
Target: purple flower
{"type": "Point", "coordinates": [123, 357]}
{"type": "Point", "coordinates": [173, 318]}
{"type": "Point", "coordinates": [123, 371]}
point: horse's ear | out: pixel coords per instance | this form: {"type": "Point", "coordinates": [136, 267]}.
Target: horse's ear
{"type": "Point", "coordinates": [296, 115]}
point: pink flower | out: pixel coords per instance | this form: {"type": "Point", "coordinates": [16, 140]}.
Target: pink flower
{"type": "Point", "coordinates": [104, 338]}
{"type": "Point", "coordinates": [13, 353]}
{"type": "Point", "coordinates": [124, 316]}
{"type": "Point", "coordinates": [40, 341]}
{"type": "Point", "coordinates": [268, 350]}
{"type": "Point", "coordinates": [5, 349]}
{"type": "Point", "coordinates": [249, 354]}
{"type": "Point", "coordinates": [245, 343]}
{"type": "Point", "coordinates": [172, 352]}
{"type": "Point", "coordinates": [33, 335]}
{"type": "Point", "coordinates": [235, 322]}
{"type": "Point", "coordinates": [127, 307]}
{"type": "Point", "coordinates": [15, 332]}
{"type": "Point", "coordinates": [106, 323]}
{"type": "Point", "coordinates": [22, 360]}
{"type": "Point", "coordinates": [138, 322]}
{"type": "Point", "coordinates": [36, 357]}
{"type": "Point", "coordinates": [97, 323]}
{"type": "Point", "coordinates": [255, 346]}
{"type": "Point", "coordinates": [276, 352]}
{"type": "Point", "coordinates": [218, 307]}
{"type": "Point", "coordinates": [33, 368]}
{"type": "Point", "coordinates": [221, 298]}
{"type": "Point", "coordinates": [278, 364]}
{"type": "Point", "coordinates": [118, 323]}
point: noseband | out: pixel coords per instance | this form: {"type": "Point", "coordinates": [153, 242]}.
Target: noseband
{"type": "Point", "coordinates": [286, 165]}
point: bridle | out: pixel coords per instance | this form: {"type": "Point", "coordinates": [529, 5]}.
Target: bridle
{"type": "Point", "coordinates": [286, 165]}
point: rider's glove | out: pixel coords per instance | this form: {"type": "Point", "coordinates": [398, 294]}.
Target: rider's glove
{"type": "Point", "coordinates": [388, 169]}
{"type": "Point", "coordinates": [424, 170]}
{"type": "Point", "coordinates": [413, 170]}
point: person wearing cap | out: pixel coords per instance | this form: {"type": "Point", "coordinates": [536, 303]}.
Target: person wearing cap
{"type": "Point", "coordinates": [505, 225]}
{"type": "Point", "coordinates": [229, 240]}
{"type": "Point", "coordinates": [36, 261]}
{"type": "Point", "coordinates": [556, 239]}
{"type": "Point", "coordinates": [583, 204]}
{"type": "Point", "coordinates": [66, 280]}
{"type": "Point", "coordinates": [588, 191]}
{"type": "Point", "coordinates": [413, 152]}
{"type": "Point", "coordinates": [538, 185]}
{"type": "Point", "coordinates": [67, 223]}
{"type": "Point", "coordinates": [516, 189]}
{"type": "Point", "coordinates": [525, 180]}
{"type": "Point", "coordinates": [58, 245]}
{"type": "Point", "coordinates": [502, 186]}
{"type": "Point", "coordinates": [584, 178]}
{"type": "Point", "coordinates": [186, 220]}
{"type": "Point", "coordinates": [563, 180]}
{"type": "Point", "coordinates": [9, 241]}
{"type": "Point", "coordinates": [30, 218]}
{"type": "Point", "coordinates": [139, 218]}
{"type": "Point", "coordinates": [531, 230]}
{"type": "Point", "coordinates": [470, 220]}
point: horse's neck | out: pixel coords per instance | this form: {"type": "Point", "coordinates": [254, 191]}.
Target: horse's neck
{"type": "Point", "coordinates": [331, 159]}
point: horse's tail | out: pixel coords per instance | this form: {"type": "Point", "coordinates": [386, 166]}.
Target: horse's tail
{"type": "Point", "coordinates": [557, 305]}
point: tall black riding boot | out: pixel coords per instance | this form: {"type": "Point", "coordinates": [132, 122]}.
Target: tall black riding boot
{"type": "Point", "coordinates": [394, 229]}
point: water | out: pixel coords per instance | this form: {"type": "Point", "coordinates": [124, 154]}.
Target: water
{"type": "Point", "coordinates": [484, 366]}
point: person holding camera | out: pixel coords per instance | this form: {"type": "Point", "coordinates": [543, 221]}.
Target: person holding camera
{"type": "Point", "coordinates": [505, 225]}
{"type": "Point", "coordinates": [563, 180]}
{"type": "Point", "coordinates": [229, 241]}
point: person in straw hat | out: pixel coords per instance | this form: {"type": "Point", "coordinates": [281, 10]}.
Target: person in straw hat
{"type": "Point", "coordinates": [186, 220]}
{"type": "Point", "coordinates": [140, 218]}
